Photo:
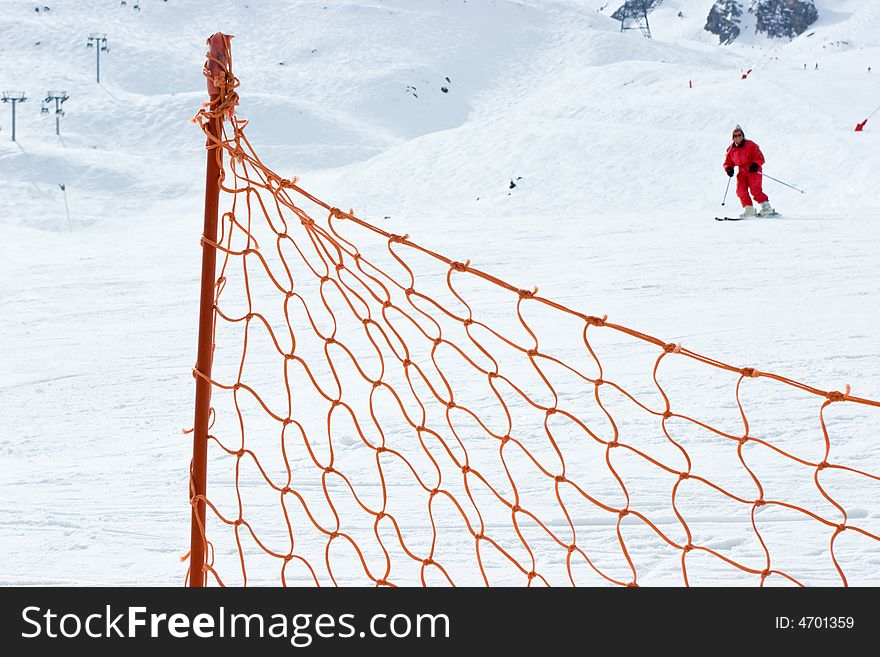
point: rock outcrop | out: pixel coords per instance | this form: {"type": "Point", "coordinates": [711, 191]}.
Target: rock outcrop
{"type": "Point", "coordinates": [783, 18]}
{"type": "Point", "coordinates": [775, 18]}
{"type": "Point", "coordinates": [724, 19]}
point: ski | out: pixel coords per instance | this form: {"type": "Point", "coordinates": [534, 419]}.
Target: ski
{"type": "Point", "coordinates": [757, 216]}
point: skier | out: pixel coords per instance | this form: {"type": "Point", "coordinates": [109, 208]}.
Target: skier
{"type": "Point", "coordinates": [745, 154]}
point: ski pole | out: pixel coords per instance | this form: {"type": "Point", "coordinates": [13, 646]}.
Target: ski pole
{"type": "Point", "coordinates": [726, 190]}
{"type": "Point", "coordinates": [783, 183]}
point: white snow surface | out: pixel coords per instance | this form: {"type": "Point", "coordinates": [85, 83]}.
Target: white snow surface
{"type": "Point", "coordinates": [615, 143]}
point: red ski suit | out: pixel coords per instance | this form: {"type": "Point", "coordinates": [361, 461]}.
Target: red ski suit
{"type": "Point", "coordinates": [742, 156]}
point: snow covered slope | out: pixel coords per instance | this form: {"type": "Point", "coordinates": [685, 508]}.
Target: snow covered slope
{"type": "Point", "coordinates": [615, 143]}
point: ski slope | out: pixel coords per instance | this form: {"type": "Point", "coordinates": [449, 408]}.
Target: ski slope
{"type": "Point", "coordinates": [615, 144]}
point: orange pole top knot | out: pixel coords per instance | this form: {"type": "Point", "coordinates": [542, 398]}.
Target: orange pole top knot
{"type": "Point", "coordinates": [219, 61]}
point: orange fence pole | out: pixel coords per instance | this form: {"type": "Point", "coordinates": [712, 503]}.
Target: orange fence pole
{"type": "Point", "coordinates": [218, 57]}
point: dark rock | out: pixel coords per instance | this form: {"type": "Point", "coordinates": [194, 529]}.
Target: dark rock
{"type": "Point", "coordinates": [783, 18]}
{"type": "Point", "coordinates": [723, 20]}
{"type": "Point", "coordinates": [774, 18]}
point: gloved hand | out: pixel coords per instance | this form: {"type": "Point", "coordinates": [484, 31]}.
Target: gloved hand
{"type": "Point", "coordinates": [729, 171]}
{"type": "Point", "coordinates": [753, 167]}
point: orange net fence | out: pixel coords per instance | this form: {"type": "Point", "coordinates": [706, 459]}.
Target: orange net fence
{"type": "Point", "coordinates": [384, 415]}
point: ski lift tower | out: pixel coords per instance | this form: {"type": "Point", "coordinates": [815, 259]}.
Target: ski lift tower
{"type": "Point", "coordinates": [13, 97]}
{"type": "Point", "coordinates": [99, 43]}
{"type": "Point", "coordinates": [633, 15]}
{"type": "Point", "coordinates": [59, 97]}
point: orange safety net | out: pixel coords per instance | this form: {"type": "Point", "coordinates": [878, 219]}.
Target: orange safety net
{"type": "Point", "coordinates": [384, 415]}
